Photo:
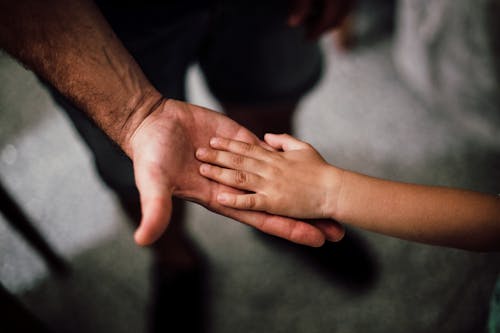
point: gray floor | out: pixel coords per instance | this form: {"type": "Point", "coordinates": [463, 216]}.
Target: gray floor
{"type": "Point", "coordinates": [360, 117]}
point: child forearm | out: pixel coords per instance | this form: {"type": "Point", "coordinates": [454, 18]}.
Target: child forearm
{"type": "Point", "coordinates": [428, 214]}
{"type": "Point", "coordinates": [298, 182]}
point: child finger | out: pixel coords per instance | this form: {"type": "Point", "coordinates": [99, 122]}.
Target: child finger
{"type": "Point", "coordinates": [242, 201]}
{"type": "Point", "coordinates": [235, 178]}
{"type": "Point", "coordinates": [284, 142]}
{"type": "Point", "coordinates": [239, 147]}
{"type": "Point", "coordinates": [229, 160]}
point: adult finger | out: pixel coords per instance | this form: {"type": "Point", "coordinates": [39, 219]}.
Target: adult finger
{"type": "Point", "coordinates": [293, 230]}
{"type": "Point", "coordinates": [156, 204]}
{"type": "Point", "coordinates": [332, 230]}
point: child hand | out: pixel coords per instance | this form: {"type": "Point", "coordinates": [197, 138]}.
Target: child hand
{"type": "Point", "coordinates": [294, 181]}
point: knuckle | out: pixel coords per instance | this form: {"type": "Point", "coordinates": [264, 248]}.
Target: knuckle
{"type": "Point", "coordinates": [240, 177]}
{"type": "Point", "coordinates": [274, 171]}
{"type": "Point", "coordinates": [245, 147]}
{"type": "Point", "coordinates": [237, 160]}
{"type": "Point", "coordinates": [250, 202]}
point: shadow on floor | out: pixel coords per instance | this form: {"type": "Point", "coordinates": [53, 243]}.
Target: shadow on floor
{"type": "Point", "coordinates": [350, 263]}
{"type": "Point", "coordinates": [103, 293]}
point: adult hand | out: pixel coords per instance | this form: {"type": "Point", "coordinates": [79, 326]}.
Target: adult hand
{"type": "Point", "coordinates": [163, 149]}
{"type": "Point", "coordinates": [318, 16]}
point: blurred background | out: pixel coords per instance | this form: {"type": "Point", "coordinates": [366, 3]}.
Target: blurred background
{"type": "Point", "coordinates": [414, 96]}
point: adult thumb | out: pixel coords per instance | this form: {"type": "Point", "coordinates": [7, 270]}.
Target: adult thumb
{"type": "Point", "coordinates": [156, 214]}
{"type": "Point", "coordinates": [156, 206]}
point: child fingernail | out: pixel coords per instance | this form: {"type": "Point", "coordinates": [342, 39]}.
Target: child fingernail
{"type": "Point", "coordinates": [204, 168]}
{"type": "Point", "coordinates": [223, 198]}
{"type": "Point", "coordinates": [214, 141]}
{"type": "Point", "coordinates": [201, 152]}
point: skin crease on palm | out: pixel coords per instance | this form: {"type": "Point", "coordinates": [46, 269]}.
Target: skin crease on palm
{"type": "Point", "coordinates": [163, 151]}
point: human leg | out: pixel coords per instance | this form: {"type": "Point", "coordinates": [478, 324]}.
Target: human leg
{"type": "Point", "coordinates": [257, 66]}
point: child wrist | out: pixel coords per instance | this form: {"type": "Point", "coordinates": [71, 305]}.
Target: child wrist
{"type": "Point", "coordinates": [333, 182]}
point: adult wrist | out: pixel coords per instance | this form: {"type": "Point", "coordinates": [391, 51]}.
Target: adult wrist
{"type": "Point", "coordinates": [139, 108]}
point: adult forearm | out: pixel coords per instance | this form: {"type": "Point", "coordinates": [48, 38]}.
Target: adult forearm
{"type": "Point", "coordinates": [434, 215]}
{"type": "Point", "coordinates": [70, 45]}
